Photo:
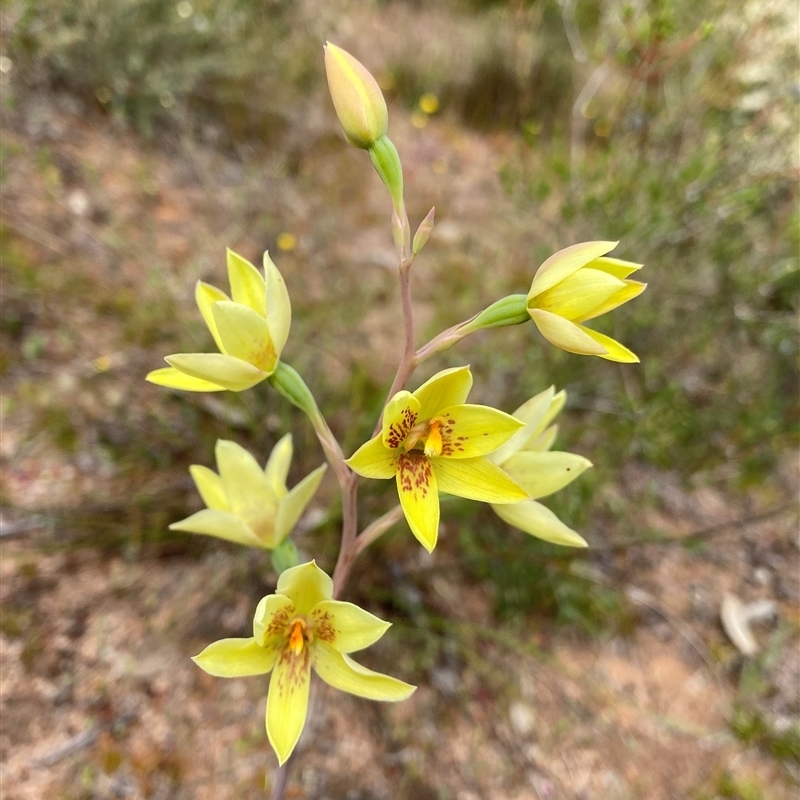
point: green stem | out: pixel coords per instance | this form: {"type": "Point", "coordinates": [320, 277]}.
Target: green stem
{"type": "Point", "coordinates": [287, 382]}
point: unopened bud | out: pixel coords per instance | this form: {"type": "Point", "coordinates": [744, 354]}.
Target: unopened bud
{"type": "Point", "coordinates": [423, 232]}
{"type": "Point", "coordinates": [356, 97]}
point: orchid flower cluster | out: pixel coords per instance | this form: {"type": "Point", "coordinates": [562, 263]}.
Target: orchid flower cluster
{"type": "Point", "coordinates": [430, 440]}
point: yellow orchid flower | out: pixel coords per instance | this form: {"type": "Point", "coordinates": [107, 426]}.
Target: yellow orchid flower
{"type": "Point", "coordinates": [432, 442]}
{"type": "Point", "coordinates": [578, 284]}
{"type": "Point", "coordinates": [527, 458]}
{"type": "Point", "coordinates": [295, 629]}
{"type": "Point", "coordinates": [250, 331]}
{"type": "Point", "coordinates": [246, 504]}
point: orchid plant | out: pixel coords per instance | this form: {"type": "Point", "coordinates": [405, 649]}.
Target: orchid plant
{"type": "Point", "coordinates": [429, 440]}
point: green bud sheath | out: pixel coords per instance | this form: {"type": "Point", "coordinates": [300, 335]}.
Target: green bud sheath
{"type": "Point", "coordinates": [386, 161]}
{"type": "Point", "coordinates": [510, 310]}
{"type": "Point", "coordinates": [287, 382]}
{"type": "Point", "coordinates": [285, 556]}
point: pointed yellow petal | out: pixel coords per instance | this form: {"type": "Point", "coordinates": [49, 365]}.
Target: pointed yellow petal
{"type": "Point", "coordinates": [469, 431]}
{"type": "Point", "coordinates": [450, 387]}
{"type": "Point", "coordinates": [278, 465]}
{"type": "Point", "coordinates": [244, 334]}
{"type": "Point", "coordinates": [287, 701]}
{"type": "Point", "coordinates": [305, 585]}
{"type": "Point", "coordinates": [544, 441]}
{"type": "Point", "coordinates": [221, 524]}
{"type": "Point", "coordinates": [247, 285]}
{"type": "Point", "coordinates": [535, 432]}
{"type": "Point", "coordinates": [476, 479]}
{"type": "Point", "coordinates": [541, 474]}
{"type": "Point", "coordinates": [173, 378]}
{"type": "Point", "coordinates": [564, 263]}
{"type": "Point", "coordinates": [291, 507]}
{"type": "Point", "coordinates": [226, 372]}
{"type": "Point", "coordinates": [205, 296]}
{"type": "Point", "coordinates": [279, 308]}
{"type": "Point", "coordinates": [247, 490]}
{"type": "Point", "coordinates": [630, 290]}
{"type": "Point", "coordinates": [556, 404]}
{"type": "Point", "coordinates": [374, 460]}
{"type": "Point", "coordinates": [565, 334]}
{"type": "Point", "coordinates": [209, 484]}
{"type": "Point", "coordinates": [399, 416]}
{"type": "Point", "coordinates": [243, 479]}
{"type": "Point", "coordinates": [614, 350]}
{"type": "Point", "coordinates": [531, 412]}
{"type": "Point", "coordinates": [578, 295]}
{"type": "Point", "coordinates": [345, 626]}
{"type": "Point", "coordinates": [614, 266]}
{"type": "Point", "coordinates": [236, 658]}
{"type": "Point", "coordinates": [343, 673]}
{"type": "Point", "coordinates": [272, 618]}
{"type": "Point", "coordinates": [416, 486]}
{"type": "Point", "coordinates": [535, 519]}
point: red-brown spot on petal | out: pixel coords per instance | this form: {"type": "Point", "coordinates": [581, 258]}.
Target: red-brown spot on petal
{"type": "Point", "coordinates": [414, 470]}
{"type": "Point", "coordinates": [323, 626]}
{"type": "Point", "coordinates": [279, 621]}
{"type": "Point", "coordinates": [399, 430]}
{"type": "Point", "coordinates": [297, 665]}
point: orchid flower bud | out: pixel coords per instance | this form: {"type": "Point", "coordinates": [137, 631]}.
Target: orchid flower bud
{"type": "Point", "coordinates": [357, 98]}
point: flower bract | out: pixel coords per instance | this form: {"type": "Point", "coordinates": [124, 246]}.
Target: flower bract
{"type": "Point", "coordinates": [527, 458]}
{"type": "Point", "coordinates": [432, 442]}
{"type": "Point", "coordinates": [295, 630]}
{"type": "Point", "coordinates": [245, 503]}
{"type": "Point", "coordinates": [250, 329]}
{"type": "Point", "coordinates": [578, 284]}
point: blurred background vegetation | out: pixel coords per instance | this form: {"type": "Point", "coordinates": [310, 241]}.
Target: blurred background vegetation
{"type": "Point", "coordinates": [532, 124]}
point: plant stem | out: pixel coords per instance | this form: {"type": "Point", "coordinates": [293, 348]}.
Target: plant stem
{"type": "Point", "coordinates": [377, 528]}
{"type": "Point", "coordinates": [408, 361]}
{"type": "Point", "coordinates": [440, 342]}
{"type": "Point", "coordinates": [332, 448]}
{"type": "Point", "coordinates": [350, 546]}
{"type": "Point", "coordinates": [347, 548]}
{"type": "Point", "coordinates": [279, 780]}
